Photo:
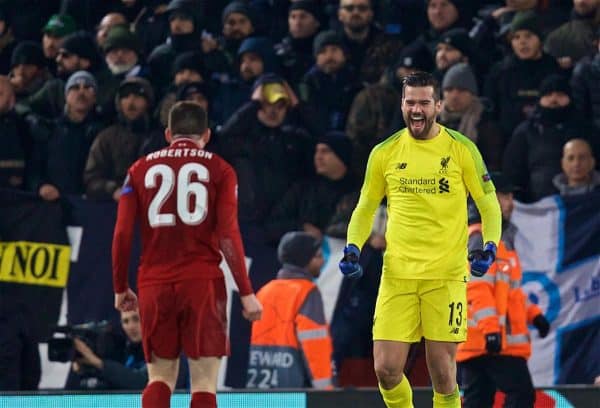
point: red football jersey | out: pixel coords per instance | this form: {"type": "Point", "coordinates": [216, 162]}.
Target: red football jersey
{"type": "Point", "coordinates": [185, 200]}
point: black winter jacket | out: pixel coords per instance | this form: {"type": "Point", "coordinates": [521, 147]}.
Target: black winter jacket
{"type": "Point", "coordinates": [532, 157]}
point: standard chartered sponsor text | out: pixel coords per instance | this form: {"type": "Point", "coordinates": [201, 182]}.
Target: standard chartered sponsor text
{"type": "Point", "coordinates": [419, 185]}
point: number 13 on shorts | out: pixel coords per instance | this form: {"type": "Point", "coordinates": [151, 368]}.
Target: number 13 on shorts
{"type": "Point", "coordinates": [455, 316]}
{"type": "Point", "coordinates": [449, 311]}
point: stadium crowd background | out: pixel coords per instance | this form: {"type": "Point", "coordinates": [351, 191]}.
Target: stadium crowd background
{"type": "Point", "coordinates": [298, 92]}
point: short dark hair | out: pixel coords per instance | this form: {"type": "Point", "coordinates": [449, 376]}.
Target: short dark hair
{"type": "Point", "coordinates": [421, 79]}
{"type": "Point", "coordinates": [187, 118]}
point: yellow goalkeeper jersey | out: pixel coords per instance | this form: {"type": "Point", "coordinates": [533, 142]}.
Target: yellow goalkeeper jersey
{"type": "Point", "coordinates": [426, 183]}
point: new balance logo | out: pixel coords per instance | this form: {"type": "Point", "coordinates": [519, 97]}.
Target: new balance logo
{"type": "Point", "coordinates": [444, 185]}
{"type": "Point", "coordinates": [401, 166]}
{"type": "Point", "coordinates": [454, 331]}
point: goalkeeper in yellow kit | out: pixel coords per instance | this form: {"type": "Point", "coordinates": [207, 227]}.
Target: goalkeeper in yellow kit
{"type": "Point", "coordinates": [426, 171]}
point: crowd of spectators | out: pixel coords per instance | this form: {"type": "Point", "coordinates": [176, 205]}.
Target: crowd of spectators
{"type": "Point", "coordinates": [298, 92]}
{"type": "Point", "coordinates": [87, 85]}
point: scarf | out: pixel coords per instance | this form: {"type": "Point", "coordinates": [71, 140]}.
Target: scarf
{"type": "Point", "coordinates": [468, 119]}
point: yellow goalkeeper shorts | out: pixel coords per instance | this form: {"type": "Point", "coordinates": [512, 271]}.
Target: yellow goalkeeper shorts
{"type": "Point", "coordinates": [408, 309]}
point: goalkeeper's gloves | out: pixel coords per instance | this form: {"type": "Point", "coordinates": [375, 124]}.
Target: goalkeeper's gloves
{"type": "Point", "coordinates": [493, 343]}
{"type": "Point", "coordinates": [349, 263]}
{"type": "Point", "coordinates": [542, 325]}
{"type": "Point", "coordinates": [482, 259]}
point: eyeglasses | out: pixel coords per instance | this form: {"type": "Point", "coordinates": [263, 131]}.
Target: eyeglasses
{"type": "Point", "coordinates": [359, 7]}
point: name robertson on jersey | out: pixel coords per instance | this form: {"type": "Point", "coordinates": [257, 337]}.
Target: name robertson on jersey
{"type": "Point", "coordinates": [186, 152]}
{"type": "Point", "coordinates": [419, 185]}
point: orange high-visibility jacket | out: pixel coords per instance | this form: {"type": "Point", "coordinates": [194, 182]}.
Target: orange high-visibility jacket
{"type": "Point", "coordinates": [290, 346]}
{"type": "Point", "coordinates": [497, 304]}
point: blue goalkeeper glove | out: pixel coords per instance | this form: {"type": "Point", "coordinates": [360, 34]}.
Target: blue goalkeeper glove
{"type": "Point", "coordinates": [349, 264]}
{"type": "Point", "coordinates": [481, 260]}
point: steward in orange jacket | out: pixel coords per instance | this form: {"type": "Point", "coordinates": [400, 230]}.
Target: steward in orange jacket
{"type": "Point", "coordinates": [290, 345]}
{"type": "Point", "coordinates": [498, 343]}
{"type": "Point", "coordinates": [498, 305]}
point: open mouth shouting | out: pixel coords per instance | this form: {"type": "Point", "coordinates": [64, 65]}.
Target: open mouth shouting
{"type": "Point", "coordinates": [417, 123]}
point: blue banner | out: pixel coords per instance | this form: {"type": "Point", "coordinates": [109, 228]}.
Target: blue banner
{"type": "Point", "coordinates": [559, 246]}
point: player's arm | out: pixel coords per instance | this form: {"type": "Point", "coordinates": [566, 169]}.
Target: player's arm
{"type": "Point", "coordinates": [230, 241]}
{"type": "Point", "coordinates": [121, 245]}
{"type": "Point", "coordinates": [371, 194]}
{"type": "Point", "coordinates": [361, 222]}
{"type": "Point", "coordinates": [483, 192]}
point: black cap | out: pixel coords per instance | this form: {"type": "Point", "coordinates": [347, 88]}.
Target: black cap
{"type": "Point", "coordinates": [185, 91]}
{"type": "Point", "coordinates": [340, 144]}
{"type": "Point", "coordinates": [82, 44]}
{"type": "Point", "coordinates": [192, 60]}
{"type": "Point", "coordinates": [120, 36]}
{"type": "Point", "coordinates": [189, 9]}
{"type": "Point", "coordinates": [459, 39]}
{"type": "Point", "coordinates": [137, 86]}
{"type": "Point", "coordinates": [239, 7]}
{"type": "Point", "coordinates": [415, 56]}
{"type": "Point", "coordinates": [501, 182]}
{"type": "Point", "coordinates": [28, 53]}
{"type": "Point", "coordinates": [327, 37]}
{"type": "Point", "coordinates": [310, 6]}
{"type": "Point", "coordinates": [526, 20]}
{"type": "Point", "coordinates": [297, 248]}
{"type": "Point", "coordinates": [554, 83]}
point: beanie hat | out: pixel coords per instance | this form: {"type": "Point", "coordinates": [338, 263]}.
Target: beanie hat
{"type": "Point", "coordinates": [28, 53]}
{"type": "Point", "coordinates": [310, 6]}
{"type": "Point", "coordinates": [184, 91]}
{"type": "Point", "coordinates": [191, 60]}
{"type": "Point", "coordinates": [460, 76]}
{"type": "Point", "coordinates": [324, 38]}
{"type": "Point", "coordinates": [120, 36]}
{"type": "Point", "coordinates": [554, 83]}
{"type": "Point", "coordinates": [415, 56]}
{"type": "Point", "coordinates": [238, 7]}
{"type": "Point", "coordinates": [459, 39]}
{"type": "Point", "coordinates": [137, 86]}
{"type": "Point", "coordinates": [456, 3]}
{"type": "Point", "coordinates": [60, 25]}
{"type": "Point", "coordinates": [263, 47]}
{"type": "Point", "coordinates": [79, 77]}
{"type": "Point", "coordinates": [297, 248]}
{"type": "Point", "coordinates": [82, 44]}
{"type": "Point", "coordinates": [190, 8]}
{"type": "Point", "coordinates": [340, 144]}
{"type": "Point", "coordinates": [570, 41]}
{"type": "Point", "coordinates": [526, 20]}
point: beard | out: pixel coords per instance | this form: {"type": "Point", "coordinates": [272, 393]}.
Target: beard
{"type": "Point", "coordinates": [117, 69]}
{"type": "Point", "coordinates": [330, 67]}
{"type": "Point", "coordinates": [418, 126]}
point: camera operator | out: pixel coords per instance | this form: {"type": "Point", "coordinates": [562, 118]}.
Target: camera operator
{"type": "Point", "coordinates": [90, 371]}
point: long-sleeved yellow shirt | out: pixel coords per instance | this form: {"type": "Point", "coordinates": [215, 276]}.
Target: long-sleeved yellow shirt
{"type": "Point", "coordinates": [426, 183]}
